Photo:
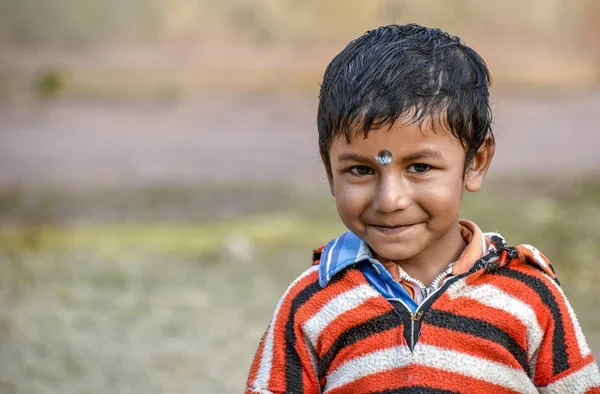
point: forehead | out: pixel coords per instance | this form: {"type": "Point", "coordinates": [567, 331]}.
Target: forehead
{"type": "Point", "coordinates": [402, 138]}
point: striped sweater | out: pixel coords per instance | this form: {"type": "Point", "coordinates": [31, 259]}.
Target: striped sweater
{"type": "Point", "coordinates": [503, 327]}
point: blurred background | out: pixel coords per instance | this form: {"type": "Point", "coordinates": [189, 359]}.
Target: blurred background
{"type": "Point", "coordinates": [160, 184]}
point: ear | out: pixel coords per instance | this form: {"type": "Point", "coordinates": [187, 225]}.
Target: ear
{"type": "Point", "coordinates": [480, 165]}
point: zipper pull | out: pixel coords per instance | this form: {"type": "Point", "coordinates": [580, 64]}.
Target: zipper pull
{"type": "Point", "coordinates": [416, 316]}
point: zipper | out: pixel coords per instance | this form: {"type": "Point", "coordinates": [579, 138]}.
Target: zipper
{"type": "Point", "coordinates": [414, 317]}
{"type": "Point", "coordinates": [417, 316]}
{"type": "Point", "coordinates": [427, 290]}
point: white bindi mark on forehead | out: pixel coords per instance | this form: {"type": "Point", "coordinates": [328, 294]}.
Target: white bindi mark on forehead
{"type": "Point", "coordinates": [384, 157]}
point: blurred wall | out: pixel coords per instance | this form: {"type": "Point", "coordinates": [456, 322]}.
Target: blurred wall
{"type": "Point", "coordinates": [287, 22]}
{"type": "Point", "coordinates": [536, 43]}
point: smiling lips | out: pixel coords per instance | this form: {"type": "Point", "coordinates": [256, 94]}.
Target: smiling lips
{"type": "Point", "coordinates": [392, 230]}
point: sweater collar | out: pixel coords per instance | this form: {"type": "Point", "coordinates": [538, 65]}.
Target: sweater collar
{"type": "Point", "coordinates": [348, 249]}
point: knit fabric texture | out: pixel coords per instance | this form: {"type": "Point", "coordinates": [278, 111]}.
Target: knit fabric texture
{"type": "Point", "coordinates": [503, 327]}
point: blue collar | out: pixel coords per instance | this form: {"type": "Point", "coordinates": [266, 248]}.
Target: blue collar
{"type": "Point", "coordinates": [341, 252]}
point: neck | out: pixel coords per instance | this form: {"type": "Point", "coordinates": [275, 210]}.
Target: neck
{"type": "Point", "coordinates": [430, 263]}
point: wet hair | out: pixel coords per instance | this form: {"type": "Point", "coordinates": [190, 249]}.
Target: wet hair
{"type": "Point", "coordinates": [411, 72]}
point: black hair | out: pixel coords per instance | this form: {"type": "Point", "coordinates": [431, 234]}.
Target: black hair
{"type": "Point", "coordinates": [409, 71]}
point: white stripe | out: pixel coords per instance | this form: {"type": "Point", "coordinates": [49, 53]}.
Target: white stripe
{"type": "Point", "coordinates": [536, 255]}
{"type": "Point", "coordinates": [335, 307]}
{"type": "Point", "coordinates": [475, 367]}
{"type": "Point", "coordinates": [329, 258]}
{"type": "Point", "coordinates": [577, 382]}
{"type": "Point", "coordinates": [583, 346]}
{"type": "Point", "coordinates": [494, 297]}
{"type": "Point", "coordinates": [264, 371]}
{"type": "Point", "coordinates": [359, 367]}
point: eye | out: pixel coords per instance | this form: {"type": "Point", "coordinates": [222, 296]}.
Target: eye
{"type": "Point", "coordinates": [361, 170]}
{"type": "Point", "coordinates": [419, 168]}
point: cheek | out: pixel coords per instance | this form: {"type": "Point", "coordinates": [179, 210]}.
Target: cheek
{"type": "Point", "coordinates": [351, 200]}
{"type": "Point", "coordinates": [443, 198]}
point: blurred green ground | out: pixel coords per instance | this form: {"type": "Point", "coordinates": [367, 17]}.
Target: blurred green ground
{"type": "Point", "coordinates": [168, 290]}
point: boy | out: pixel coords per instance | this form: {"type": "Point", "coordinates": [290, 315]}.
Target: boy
{"type": "Point", "coordinates": [412, 299]}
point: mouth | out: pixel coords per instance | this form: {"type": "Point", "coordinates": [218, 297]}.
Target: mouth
{"type": "Point", "coordinates": [392, 230]}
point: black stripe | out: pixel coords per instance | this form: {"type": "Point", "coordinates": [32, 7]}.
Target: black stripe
{"type": "Point", "coordinates": [371, 327]}
{"type": "Point", "coordinates": [498, 242]}
{"type": "Point", "coordinates": [416, 390]}
{"type": "Point", "coordinates": [554, 272]}
{"type": "Point", "coordinates": [480, 329]}
{"type": "Point", "coordinates": [293, 367]}
{"type": "Point", "coordinates": [560, 359]}
{"type": "Point", "coordinates": [404, 314]}
{"type": "Point", "coordinates": [485, 263]}
{"type": "Point", "coordinates": [316, 255]}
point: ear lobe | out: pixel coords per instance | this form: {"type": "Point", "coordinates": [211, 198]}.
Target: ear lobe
{"type": "Point", "coordinates": [473, 181]}
{"type": "Point", "coordinates": [480, 165]}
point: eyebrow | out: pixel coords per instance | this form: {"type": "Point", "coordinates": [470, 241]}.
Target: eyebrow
{"type": "Point", "coordinates": [353, 157]}
{"type": "Point", "coordinates": [423, 154]}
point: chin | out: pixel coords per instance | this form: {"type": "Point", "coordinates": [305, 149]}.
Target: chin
{"type": "Point", "coordinates": [394, 253]}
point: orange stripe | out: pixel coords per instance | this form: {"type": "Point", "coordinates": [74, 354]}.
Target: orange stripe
{"type": "Point", "coordinates": [444, 380]}
{"type": "Point", "coordinates": [468, 307]}
{"type": "Point", "coordinates": [277, 376]}
{"type": "Point", "coordinates": [383, 340]}
{"type": "Point", "coordinates": [347, 320]}
{"type": "Point", "coordinates": [321, 298]}
{"type": "Point", "coordinates": [526, 253]}
{"type": "Point", "coordinates": [381, 381]}
{"type": "Point", "coordinates": [584, 362]}
{"type": "Point", "coordinates": [469, 344]}
{"type": "Point", "coordinates": [416, 375]}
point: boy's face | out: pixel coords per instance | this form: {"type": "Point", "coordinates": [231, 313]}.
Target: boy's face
{"type": "Point", "coordinates": [409, 208]}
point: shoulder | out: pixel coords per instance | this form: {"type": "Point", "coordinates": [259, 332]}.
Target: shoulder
{"type": "Point", "coordinates": [306, 304]}
{"type": "Point", "coordinates": [523, 257]}
{"type": "Point", "coordinates": [307, 281]}
{"type": "Point", "coordinates": [304, 288]}
{"type": "Point", "coordinates": [529, 277]}
{"type": "Point", "coordinates": [529, 264]}
{"type": "Point", "coordinates": [310, 280]}
{"type": "Point", "coordinates": [309, 291]}
{"type": "Point", "coordinates": [522, 273]}
{"type": "Point", "coordinates": [531, 256]}
{"type": "Point", "coordinates": [526, 274]}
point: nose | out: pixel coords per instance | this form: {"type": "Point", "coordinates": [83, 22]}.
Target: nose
{"type": "Point", "coordinates": [393, 194]}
